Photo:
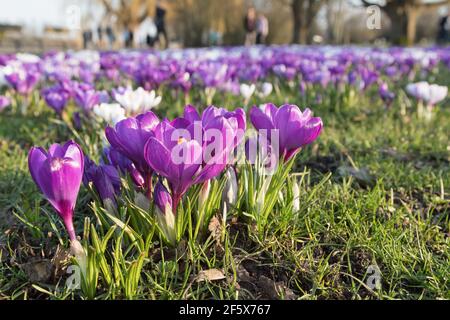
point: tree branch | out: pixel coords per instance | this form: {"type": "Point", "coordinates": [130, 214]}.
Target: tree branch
{"type": "Point", "coordinates": [434, 5]}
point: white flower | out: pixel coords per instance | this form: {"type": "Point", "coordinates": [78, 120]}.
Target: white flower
{"type": "Point", "coordinates": [431, 94]}
{"type": "Point", "coordinates": [3, 81]}
{"type": "Point", "coordinates": [27, 58]}
{"type": "Point", "coordinates": [230, 191]}
{"type": "Point", "coordinates": [266, 89]}
{"type": "Point", "coordinates": [138, 101]}
{"type": "Point", "coordinates": [111, 113]}
{"type": "Point", "coordinates": [247, 91]}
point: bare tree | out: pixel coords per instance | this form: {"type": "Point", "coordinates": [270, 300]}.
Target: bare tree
{"type": "Point", "coordinates": [403, 15]}
{"type": "Point", "coordinates": [304, 13]}
{"type": "Point", "coordinates": [194, 18]}
{"type": "Point", "coordinates": [129, 13]}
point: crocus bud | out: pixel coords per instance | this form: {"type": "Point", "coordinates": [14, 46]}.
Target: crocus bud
{"type": "Point", "coordinates": [164, 213]}
{"type": "Point", "coordinates": [230, 191]}
{"type": "Point", "coordinates": [204, 193]}
{"type": "Point", "coordinates": [106, 181]}
{"type": "Point", "coordinates": [266, 89]}
{"type": "Point", "coordinates": [261, 196]}
{"type": "Point", "coordinates": [295, 196]}
{"type": "Point", "coordinates": [58, 174]}
{"type": "Point", "coordinates": [4, 102]}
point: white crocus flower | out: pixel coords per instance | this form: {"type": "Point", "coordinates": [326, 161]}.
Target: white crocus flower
{"type": "Point", "coordinates": [111, 113]}
{"type": "Point", "coordinates": [247, 91]}
{"type": "Point", "coordinates": [431, 94]}
{"type": "Point", "coordinates": [150, 100]}
{"type": "Point", "coordinates": [138, 101]}
{"type": "Point", "coordinates": [27, 58]}
{"type": "Point", "coordinates": [266, 89]}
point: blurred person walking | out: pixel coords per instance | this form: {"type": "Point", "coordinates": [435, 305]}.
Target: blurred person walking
{"type": "Point", "coordinates": [250, 27]}
{"type": "Point", "coordinates": [262, 29]}
{"type": "Point", "coordinates": [160, 22]}
{"type": "Point", "coordinates": [444, 30]}
{"type": "Point", "coordinates": [110, 21]}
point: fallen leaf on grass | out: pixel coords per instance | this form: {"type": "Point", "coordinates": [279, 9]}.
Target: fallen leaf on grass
{"type": "Point", "coordinates": [210, 275]}
{"type": "Point", "coordinates": [215, 227]}
{"type": "Point", "coordinates": [38, 271]}
{"type": "Point", "coordinates": [275, 290]}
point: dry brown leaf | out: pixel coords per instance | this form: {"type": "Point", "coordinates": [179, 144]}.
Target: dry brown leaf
{"type": "Point", "coordinates": [215, 227]}
{"type": "Point", "coordinates": [210, 275]}
{"type": "Point", "coordinates": [38, 271]}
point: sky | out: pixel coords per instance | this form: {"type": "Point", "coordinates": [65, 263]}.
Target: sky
{"type": "Point", "coordinates": [35, 14]}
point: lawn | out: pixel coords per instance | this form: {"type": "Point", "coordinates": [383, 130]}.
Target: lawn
{"type": "Point", "coordinates": [374, 204]}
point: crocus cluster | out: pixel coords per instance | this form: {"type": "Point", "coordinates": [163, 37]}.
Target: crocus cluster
{"type": "Point", "coordinates": [179, 153]}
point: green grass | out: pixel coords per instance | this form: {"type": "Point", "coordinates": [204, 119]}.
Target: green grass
{"type": "Point", "coordinates": [374, 191]}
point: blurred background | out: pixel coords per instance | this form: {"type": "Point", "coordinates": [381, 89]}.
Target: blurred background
{"type": "Point", "coordinates": [37, 26]}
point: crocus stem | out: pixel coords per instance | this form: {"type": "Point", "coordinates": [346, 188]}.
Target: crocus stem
{"type": "Point", "coordinates": [69, 227]}
{"type": "Point", "coordinates": [149, 185]}
{"type": "Point", "coordinates": [175, 201]}
{"type": "Point", "coordinates": [187, 98]}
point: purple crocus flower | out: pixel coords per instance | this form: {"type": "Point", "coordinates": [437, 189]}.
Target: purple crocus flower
{"type": "Point", "coordinates": [58, 174]}
{"type": "Point", "coordinates": [4, 102]}
{"type": "Point", "coordinates": [86, 97]}
{"type": "Point", "coordinates": [295, 128]}
{"type": "Point", "coordinates": [386, 95]}
{"type": "Point", "coordinates": [129, 138]}
{"type": "Point", "coordinates": [23, 81]}
{"type": "Point", "coordinates": [159, 154]}
{"type": "Point", "coordinates": [56, 98]}
{"type": "Point", "coordinates": [185, 158]}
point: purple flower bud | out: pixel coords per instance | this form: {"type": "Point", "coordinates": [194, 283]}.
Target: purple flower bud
{"type": "Point", "coordinates": [58, 174]}
{"type": "Point", "coordinates": [105, 179]}
{"type": "Point", "coordinates": [4, 102]}
{"type": "Point", "coordinates": [164, 213]}
{"type": "Point", "coordinates": [162, 198]}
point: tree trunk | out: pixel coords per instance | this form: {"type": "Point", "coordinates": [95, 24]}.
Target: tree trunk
{"type": "Point", "coordinates": [304, 31]}
{"type": "Point", "coordinates": [296, 14]}
{"type": "Point", "coordinates": [412, 13]}
{"type": "Point", "coordinates": [397, 18]}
